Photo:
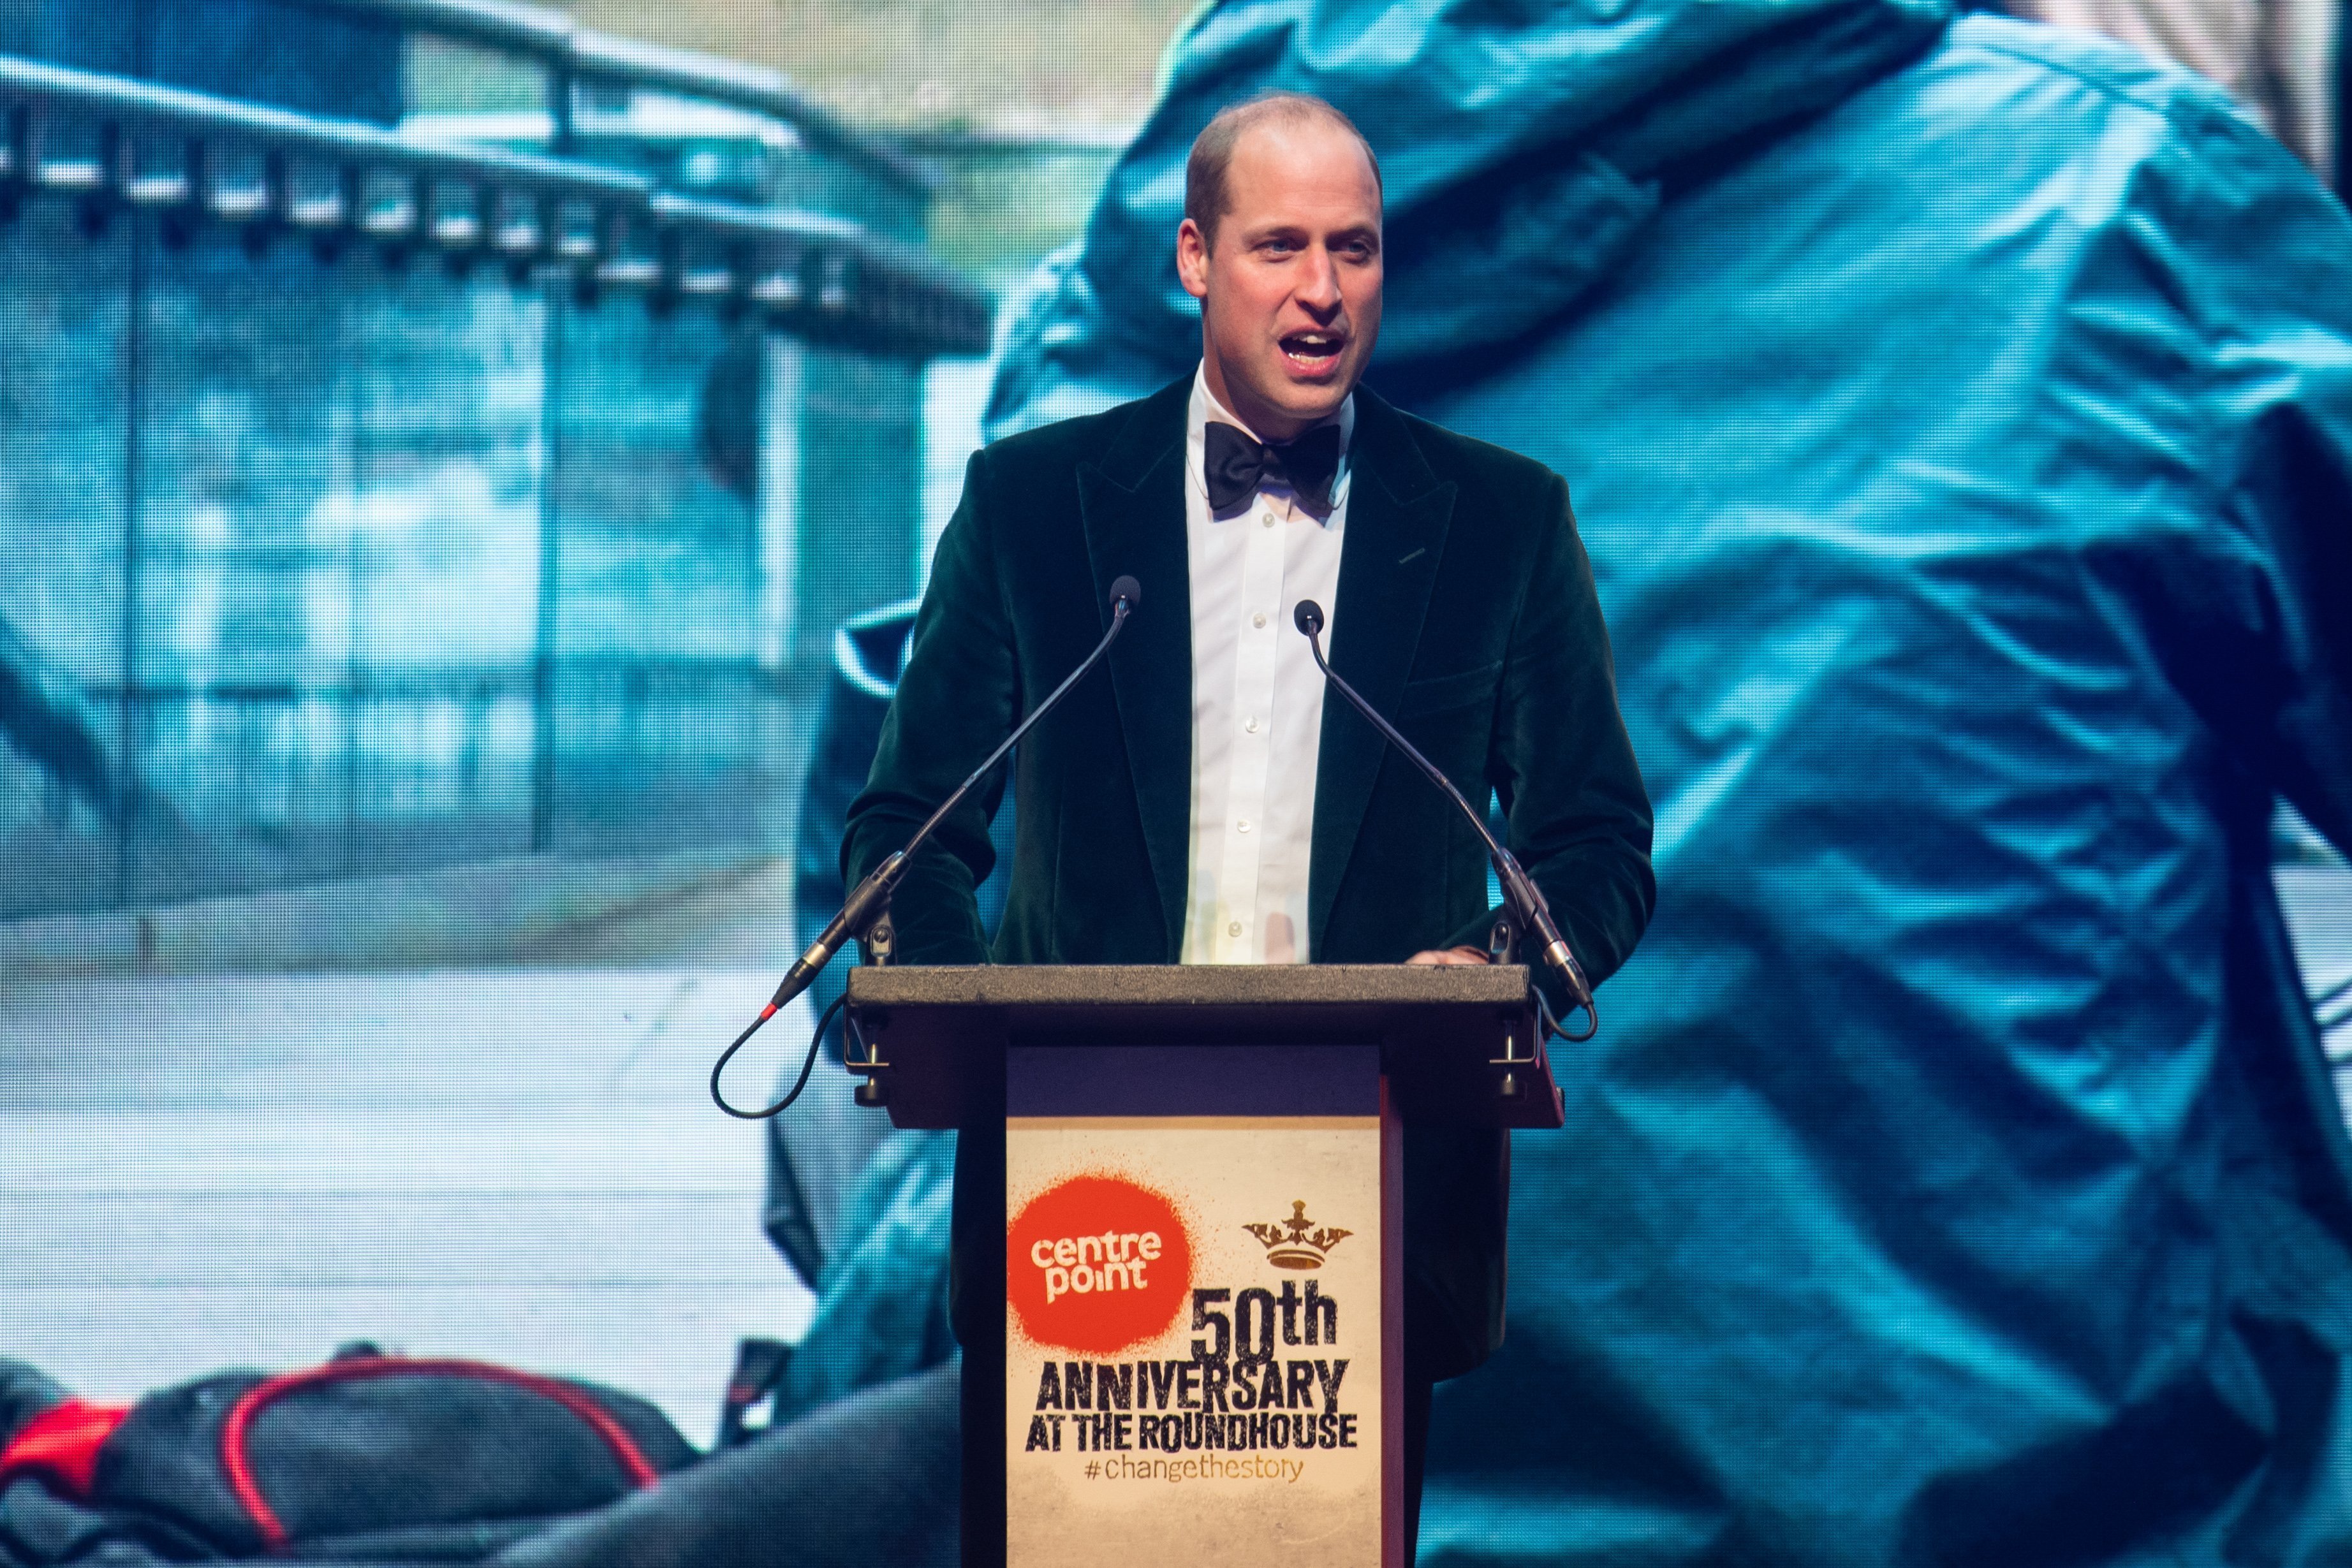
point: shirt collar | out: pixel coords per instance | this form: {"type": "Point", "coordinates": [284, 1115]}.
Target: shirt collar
{"type": "Point", "coordinates": [1205, 407]}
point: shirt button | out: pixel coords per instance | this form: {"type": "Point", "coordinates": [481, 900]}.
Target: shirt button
{"type": "Point", "coordinates": [1258, 620]}
{"type": "Point", "coordinates": [1267, 520]}
{"type": "Point", "coordinates": [1242, 826]}
{"type": "Point", "coordinates": [1251, 724]}
{"type": "Point", "coordinates": [1233, 928]}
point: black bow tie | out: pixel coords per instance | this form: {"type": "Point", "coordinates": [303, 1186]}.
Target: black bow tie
{"type": "Point", "coordinates": [1237, 466]}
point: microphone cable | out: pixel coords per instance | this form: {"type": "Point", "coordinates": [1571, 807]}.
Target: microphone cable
{"type": "Point", "coordinates": [870, 898]}
{"type": "Point", "coordinates": [808, 1063]}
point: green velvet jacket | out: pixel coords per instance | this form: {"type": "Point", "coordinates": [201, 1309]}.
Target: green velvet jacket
{"type": "Point", "coordinates": [1465, 612]}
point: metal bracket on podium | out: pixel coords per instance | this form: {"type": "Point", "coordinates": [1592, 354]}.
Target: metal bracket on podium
{"type": "Point", "coordinates": [879, 941]}
{"type": "Point", "coordinates": [1510, 1059]}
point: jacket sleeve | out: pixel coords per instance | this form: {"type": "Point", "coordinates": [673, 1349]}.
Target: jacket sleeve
{"type": "Point", "coordinates": [1561, 763]}
{"type": "Point", "coordinates": [958, 698]}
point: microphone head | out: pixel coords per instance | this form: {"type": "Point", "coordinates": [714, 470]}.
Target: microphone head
{"type": "Point", "coordinates": [1127, 588]}
{"type": "Point", "coordinates": [1307, 617]}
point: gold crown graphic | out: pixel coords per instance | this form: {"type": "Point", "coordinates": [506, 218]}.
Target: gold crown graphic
{"type": "Point", "coordinates": [1297, 1242]}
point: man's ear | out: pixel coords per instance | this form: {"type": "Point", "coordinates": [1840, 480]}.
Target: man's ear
{"type": "Point", "coordinates": [1192, 259]}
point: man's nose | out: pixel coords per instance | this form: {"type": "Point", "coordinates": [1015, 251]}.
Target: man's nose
{"type": "Point", "coordinates": [1318, 286]}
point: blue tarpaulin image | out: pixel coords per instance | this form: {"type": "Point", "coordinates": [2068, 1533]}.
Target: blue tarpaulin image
{"type": "Point", "coordinates": [412, 648]}
{"type": "Point", "coordinates": [1958, 414]}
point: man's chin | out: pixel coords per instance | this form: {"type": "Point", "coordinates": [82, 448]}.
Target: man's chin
{"type": "Point", "coordinates": [1278, 402]}
{"type": "Point", "coordinates": [1308, 399]}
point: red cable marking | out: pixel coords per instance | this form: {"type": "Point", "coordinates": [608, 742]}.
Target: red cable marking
{"type": "Point", "coordinates": [241, 1415]}
{"type": "Point", "coordinates": [62, 1441]}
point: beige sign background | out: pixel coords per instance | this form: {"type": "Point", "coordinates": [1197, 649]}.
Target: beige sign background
{"type": "Point", "coordinates": [1149, 1480]}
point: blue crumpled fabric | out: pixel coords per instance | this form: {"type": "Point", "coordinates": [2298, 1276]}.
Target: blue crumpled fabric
{"type": "Point", "coordinates": [1523, 151]}
{"type": "Point", "coordinates": [1960, 419]}
{"type": "Point", "coordinates": [882, 1297]}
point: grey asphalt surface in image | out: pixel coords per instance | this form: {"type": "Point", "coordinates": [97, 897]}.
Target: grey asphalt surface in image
{"type": "Point", "coordinates": [208, 1171]}
{"type": "Point", "coordinates": [521, 1165]}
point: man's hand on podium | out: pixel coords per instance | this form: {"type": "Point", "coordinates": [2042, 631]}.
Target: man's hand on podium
{"type": "Point", "coordinates": [1452, 956]}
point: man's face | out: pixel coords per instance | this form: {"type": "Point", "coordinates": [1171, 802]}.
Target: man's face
{"type": "Point", "coordinates": [1290, 296]}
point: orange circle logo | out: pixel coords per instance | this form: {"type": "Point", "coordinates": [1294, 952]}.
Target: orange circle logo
{"type": "Point", "coordinates": [1095, 1264]}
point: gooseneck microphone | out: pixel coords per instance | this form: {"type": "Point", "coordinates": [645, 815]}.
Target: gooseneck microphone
{"type": "Point", "coordinates": [868, 903]}
{"type": "Point", "coordinates": [1526, 900]}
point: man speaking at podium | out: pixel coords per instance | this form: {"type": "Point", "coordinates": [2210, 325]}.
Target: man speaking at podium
{"type": "Point", "coordinates": [1206, 804]}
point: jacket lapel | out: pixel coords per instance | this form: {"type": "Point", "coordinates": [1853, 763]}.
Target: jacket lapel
{"type": "Point", "coordinates": [1133, 507]}
{"type": "Point", "coordinates": [1398, 515]}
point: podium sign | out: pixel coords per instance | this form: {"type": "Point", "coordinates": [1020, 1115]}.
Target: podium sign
{"type": "Point", "coordinates": [1196, 1284]}
{"type": "Point", "coordinates": [1195, 1177]}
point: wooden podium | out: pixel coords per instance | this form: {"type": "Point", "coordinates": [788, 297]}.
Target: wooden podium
{"type": "Point", "coordinates": [1187, 1347]}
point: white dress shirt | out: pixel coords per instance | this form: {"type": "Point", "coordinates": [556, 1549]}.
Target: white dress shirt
{"type": "Point", "coordinates": [1258, 703]}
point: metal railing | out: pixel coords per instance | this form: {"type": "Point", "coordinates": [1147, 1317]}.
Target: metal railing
{"type": "Point", "coordinates": [572, 54]}
{"type": "Point", "coordinates": [109, 144]}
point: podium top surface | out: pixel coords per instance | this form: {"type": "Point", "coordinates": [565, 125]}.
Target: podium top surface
{"type": "Point", "coordinates": [1458, 1042]}
{"type": "Point", "coordinates": [1078, 986]}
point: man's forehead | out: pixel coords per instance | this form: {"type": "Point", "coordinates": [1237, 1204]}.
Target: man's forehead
{"type": "Point", "coordinates": [1304, 166]}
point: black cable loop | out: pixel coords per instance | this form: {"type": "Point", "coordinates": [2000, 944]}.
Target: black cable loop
{"type": "Point", "coordinates": [1550, 1023]}
{"type": "Point", "coordinates": [807, 1065]}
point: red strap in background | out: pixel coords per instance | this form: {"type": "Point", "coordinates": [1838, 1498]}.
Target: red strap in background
{"type": "Point", "coordinates": [62, 1443]}
{"type": "Point", "coordinates": [235, 1429]}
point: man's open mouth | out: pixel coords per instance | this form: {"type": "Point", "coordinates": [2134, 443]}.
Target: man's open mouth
{"type": "Point", "coordinates": [1313, 351]}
